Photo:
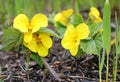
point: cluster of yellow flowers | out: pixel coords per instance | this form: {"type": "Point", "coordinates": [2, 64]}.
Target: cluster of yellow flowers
{"type": "Point", "coordinates": [63, 17]}
{"type": "Point", "coordinates": [40, 43]}
{"type": "Point", "coordinates": [73, 35]}
{"type": "Point", "coordinates": [94, 14]}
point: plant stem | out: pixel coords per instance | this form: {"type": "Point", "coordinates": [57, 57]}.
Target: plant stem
{"type": "Point", "coordinates": [115, 68]}
{"type": "Point", "coordinates": [107, 68]}
{"type": "Point", "coordinates": [101, 63]}
{"type": "Point", "coordinates": [100, 76]}
{"type": "Point", "coordinates": [117, 53]}
{"type": "Point", "coordinates": [27, 65]}
{"type": "Point", "coordinates": [73, 4]}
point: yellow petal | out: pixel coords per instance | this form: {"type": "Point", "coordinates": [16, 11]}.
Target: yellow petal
{"type": "Point", "coordinates": [68, 39]}
{"type": "Point", "coordinates": [42, 51]}
{"type": "Point", "coordinates": [74, 50]}
{"type": "Point", "coordinates": [67, 42]}
{"type": "Point", "coordinates": [27, 37]}
{"type": "Point", "coordinates": [32, 45]}
{"type": "Point", "coordinates": [98, 19]}
{"type": "Point", "coordinates": [67, 13]}
{"type": "Point", "coordinates": [82, 31]}
{"type": "Point", "coordinates": [58, 17]}
{"type": "Point", "coordinates": [63, 17]}
{"type": "Point", "coordinates": [94, 12]}
{"type": "Point", "coordinates": [45, 40]}
{"type": "Point", "coordinates": [39, 20]}
{"type": "Point", "coordinates": [70, 31]}
{"type": "Point", "coordinates": [21, 23]}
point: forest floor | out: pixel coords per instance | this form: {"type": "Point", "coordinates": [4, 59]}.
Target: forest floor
{"type": "Point", "coordinates": [68, 68]}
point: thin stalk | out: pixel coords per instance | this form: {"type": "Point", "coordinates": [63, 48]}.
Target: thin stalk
{"type": "Point", "coordinates": [77, 6]}
{"type": "Point", "coordinates": [73, 4]}
{"type": "Point", "coordinates": [101, 63]}
{"type": "Point", "coordinates": [100, 74]}
{"type": "Point", "coordinates": [107, 67]}
{"type": "Point", "coordinates": [116, 55]}
{"type": "Point", "coordinates": [115, 68]}
{"type": "Point", "coordinates": [27, 65]}
{"type": "Point", "coordinates": [107, 33]}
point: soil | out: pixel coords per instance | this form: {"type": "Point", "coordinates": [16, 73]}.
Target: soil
{"type": "Point", "coordinates": [68, 68]}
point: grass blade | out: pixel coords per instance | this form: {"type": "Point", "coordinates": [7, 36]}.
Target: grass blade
{"type": "Point", "coordinates": [106, 26]}
{"type": "Point", "coordinates": [18, 6]}
{"type": "Point", "coordinates": [117, 53]}
{"type": "Point", "coordinates": [107, 33]}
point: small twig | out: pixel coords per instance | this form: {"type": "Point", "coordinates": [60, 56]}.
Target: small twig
{"type": "Point", "coordinates": [88, 58]}
{"type": "Point", "coordinates": [82, 74]}
{"type": "Point", "coordinates": [22, 68]}
{"type": "Point", "coordinates": [43, 78]}
{"type": "Point", "coordinates": [19, 64]}
{"type": "Point", "coordinates": [64, 53]}
{"type": "Point", "coordinates": [75, 77]}
{"type": "Point", "coordinates": [8, 76]}
{"type": "Point", "coordinates": [3, 76]}
{"type": "Point", "coordinates": [19, 77]}
{"type": "Point", "coordinates": [51, 70]}
{"type": "Point", "coordinates": [81, 77]}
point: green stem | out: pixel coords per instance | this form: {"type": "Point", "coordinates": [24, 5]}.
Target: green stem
{"type": "Point", "coordinates": [27, 65]}
{"type": "Point", "coordinates": [107, 68]}
{"type": "Point", "coordinates": [101, 63]}
{"type": "Point", "coordinates": [77, 6]}
{"type": "Point", "coordinates": [115, 69]}
{"type": "Point", "coordinates": [100, 76]}
{"type": "Point", "coordinates": [73, 4]}
{"type": "Point", "coordinates": [117, 53]}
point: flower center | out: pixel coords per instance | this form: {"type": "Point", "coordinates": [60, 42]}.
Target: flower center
{"type": "Point", "coordinates": [76, 41]}
{"type": "Point", "coordinates": [30, 27]}
{"type": "Point", "coordinates": [38, 40]}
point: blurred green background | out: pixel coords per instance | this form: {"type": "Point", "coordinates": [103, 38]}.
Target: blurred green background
{"type": "Point", "coordinates": [10, 8]}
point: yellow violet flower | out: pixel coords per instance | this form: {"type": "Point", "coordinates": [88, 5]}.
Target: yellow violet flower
{"type": "Point", "coordinates": [40, 44]}
{"type": "Point", "coordinates": [72, 37]}
{"type": "Point", "coordinates": [63, 17]}
{"type": "Point", "coordinates": [22, 23]}
{"type": "Point", "coordinates": [94, 14]}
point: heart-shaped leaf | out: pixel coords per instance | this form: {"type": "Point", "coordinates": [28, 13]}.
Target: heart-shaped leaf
{"type": "Point", "coordinates": [93, 45]}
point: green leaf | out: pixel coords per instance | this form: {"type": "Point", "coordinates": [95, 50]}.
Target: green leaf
{"type": "Point", "coordinates": [80, 52]}
{"type": "Point", "coordinates": [37, 58]}
{"type": "Point", "coordinates": [118, 50]}
{"type": "Point", "coordinates": [95, 28]}
{"type": "Point", "coordinates": [11, 38]}
{"type": "Point", "coordinates": [93, 45]}
{"type": "Point", "coordinates": [48, 31]}
{"type": "Point", "coordinates": [76, 19]}
{"type": "Point", "coordinates": [51, 17]}
{"type": "Point", "coordinates": [106, 26]}
{"type": "Point", "coordinates": [60, 29]}
{"type": "Point", "coordinates": [117, 34]}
